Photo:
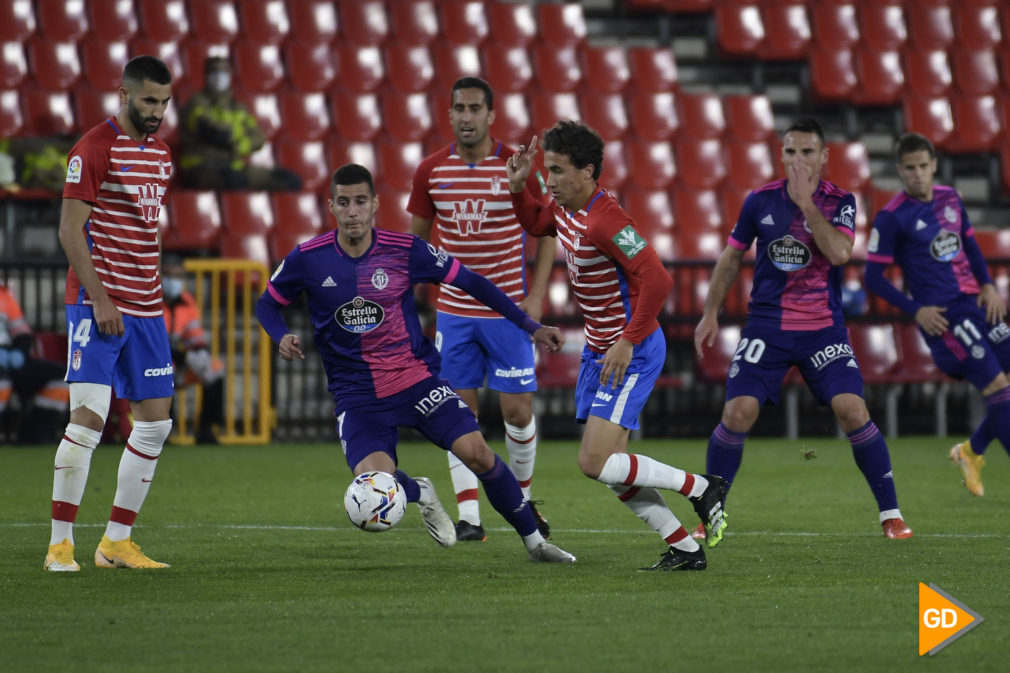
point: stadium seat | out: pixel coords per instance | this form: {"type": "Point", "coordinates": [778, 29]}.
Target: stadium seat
{"type": "Point", "coordinates": [360, 68]}
{"type": "Point", "coordinates": [561, 25]}
{"type": "Point", "coordinates": [408, 115]}
{"type": "Point", "coordinates": [313, 21]}
{"type": "Point", "coordinates": [163, 20]}
{"type": "Point", "coordinates": [995, 243]}
{"type": "Point", "coordinates": [927, 72]}
{"type": "Point", "coordinates": [12, 120]}
{"type": "Point", "coordinates": [787, 31]}
{"type": "Point", "coordinates": [171, 55]}
{"type": "Point", "coordinates": [103, 62]}
{"type": "Point", "coordinates": [53, 65]}
{"type": "Point", "coordinates": [398, 162]}
{"type": "Point", "coordinates": [739, 30]}
{"type": "Point", "coordinates": [13, 65]}
{"type": "Point", "coordinates": [749, 164]}
{"type": "Point", "coordinates": [264, 21]}
{"type": "Point", "coordinates": [882, 25]}
{"type": "Point", "coordinates": [714, 364]}
{"type": "Point", "coordinates": [615, 166]}
{"type": "Point", "coordinates": [392, 214]}
{"type": "Point", "coordinates": [214, 21]}
{"type": "Point", "coordinates": [48, 113]}
{"type": "Point", "coordinates": [700, 161]}
{"type": "Point", "coordinates": [266, 108]}
{"type": "Point", "coordinates": [834, 24]}
{"type": "Point", "coordinates": [340, 152]}
{"type": "Point", "coordinates": [698, 245]}
{"type": "Point", "coordinates": [977, 124]}
{"type": "Point", "coordinates": [512, 23]}
{"type": "Point", "coordinates": [93, 106]}
{"type": "Point", "coordinates": [298, 218]}
{"type": "Point", "coordinates": [880, 77]}
{"type": "Point", "coordinates": [832, 73]}
{"type": "Point", "coordinates": [848, 165]}
{"type": "Point", "coordinates": [306, 158]}
{"type": "Point", "coordinates": [195, 219]}
{"type": "Point", "coordinates": [508, 68]}
{"type": "Point", "coordinates": [977, 26]}
{"type": "Point", "coordinates": [452, 61]}
{"type": "Point", "coordinates": [876, 351]}
{"type": "Point", "coordinates": [651, 164]}
{"type": "Point", "coordinates": [561, 369]}
{"type": "Point", "coordinates": [731, 200]}
{"type": "Point", "coordinates": [113, 20]}
{"type": "Point", "coordinates": [244, 213]}
{"type": "Point", "coordinates": [441, 128]}
{"type": "Point", "coordinates": [929, 115]}
{"type": "Point", "coordinates": [560, 303]}
{"type": "Point", "coordinates": [17, 20]}
{"type": "Point", "coordinates": [311, 66]}
{"type": "Point", "coordinates": [653, 69]}
{"type": "Point", "coordinates": [365, 22]}
{"type": "Point", "coordinates": [414, 23]}
{"type": "Point", "coordinates": [258, 67]}
{"type": "Point", "coordinates": [748, 117]}
{"type": "Point", "coordinates": [976, 72]}
{"type": "Point", "coordinates": [917, 364]}
{"type": "Point", "coordinates": [701, 115]}
{"type": "Point", "coordinates": [696, 211]}
{"type": "Point", "coordinates": [62, 21]}
{"type": "Point", "coordinates": [556, 69]}
{"type": "Point", "coordinates": [930, 26]}
{"type": "Point", "coordinates": [604, 113]}
{"type": "Point", "coordinates": [512, 122]}
{"type": "Point", "coordinates": [305, 115]}
{"type": "Point", "coordinates": [653, 116]}
{"type": "Point", "coordinates": [651, 209]}
{"type": "Point", "coordinates": [264, 156]}
{"type": "Point", "coordinates": [606, 68]}
{"type": "Point", "coordinates": [548, 108]}
{"type": "Point", "coordinates": [463, 21]}
{"type": "Point", "coordinates": [409, 68]}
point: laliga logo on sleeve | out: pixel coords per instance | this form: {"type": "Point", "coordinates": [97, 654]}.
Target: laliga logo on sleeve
{"type": "Point", "coordinates": [942, 619]}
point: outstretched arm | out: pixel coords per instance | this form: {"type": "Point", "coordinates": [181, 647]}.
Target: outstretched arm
{"type": "Point", "coordinates": [268, 312]}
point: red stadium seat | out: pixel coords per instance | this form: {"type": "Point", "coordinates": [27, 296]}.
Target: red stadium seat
{"type": "Point", "coordinates": [163, 20]}
{"type": "Point", "coordinates": [696, 211]}
{"type": "Point", "coordinates": [512, 23]}
{"type": "Point", "coordinates": [365, 22]}
{"type": "Point", "coordinates": [62, 21]}
{"type": "Point", "coordinates": [995, 243]}
{"type": "Point", "coordinates": [340, 153]}
{"type": "Point", "coordinates": [508, 68]}
{"type": "Point", "coordinates": [977, 125]}
{"type": "Point", "coordinates": [93, 106]}
{"type": "Point", "coordinates": [12, 120]}
{"type": "Point", "coordinates": [463, 21]}
{"type": "Point", "coordinates": [512, 122]}
{"type": "Point", "coordinates": [214, 21]}
{"type": "Point", "coordinates": [654, 115]}
{"type": "Point", "coordinates": [561, 25]}
{"type": "Point", "coordinates": [653, 69]}
{"type": "Point", "coordinates": [398, 162]}
{"type": "Point", "coordinates": [113, 20]}
{"type": "Point", "coordinates": [651, 164]}
{"type": "Point", "coordinates": [927, 72]}
{"type": "Point", "coordinates": [882, 25]}
{"type": "Point", "coordinates": [13, 65]}
{"type": "Point", "coordinates": [604, 113]}
{"type": "Point", "coordinates": [17, 20]}
{"type": "Point", "coordinates": [561, 369]}
{"type": "Point", "coordinates": [749, 164]}
{"type": "Point", "coordinates": [652, 211]}
{"type": "Point", "coordinates": [408, 115]}
{"type": "Point", "coordinates": [258, 67]}
{"type": "Point", "coordinates": [832, 73]}
{"type": "Point", "coordinates": [48, 113]}
{"type": "Point", "coordinates": [305, 115]}
{"type": "Point", "coordinates": [835, 25]}
{"type": "Point", "coordinates": [749, 117]}
{"type": "Point", "coordinates": [311, 66]}
{"type": "Point", "coordinates": [264, 21]}
{"type": "Point", "coordinates": [360, 68]}
{"type": "Point", "coordinates": [929, 115]}
{"type": "Point", "coordinates": [976, 72]}
{"type": "Point", "coordinates": [54, 65]}
{"type": "Point", "coordinates": [245, 213]}
{"type": "Point", "coordinates": [880, 76]}
{"type": "Point", "coordinates": [392, 214]}
{"type": "Point", "coordinates": [453, 61]}
{"type": "Point", "coordinates": [556, 69]}
{"type": "Point", "coordinates": [441, 128]}
{"type": "Point", "coordinates": [409, 67]}
{"type": "Point", "coordinates": [977, 26]}
{"type": "Point", "coordinates": [701, 115]}
{"type": "Point", "coordinates": [172, 56]}
{"type": "Point", "coordinates": [103, 62]}
{"type": "Point", "coordinates": [876, 351]}
{"type": "Point", "coordinates": [266, 108]}
{"type": "Point", "coordinates": [559, 299]}
{"type": "Point", "coordinates": [307, 159]}
{"type": "Point", "coordinates": [313, 21]}
{"type": "Point", "coordinates": [739, 30]}
{"type": "Point", "coordinates": [548, 108]}
{"type": "Point", "coordinates": [917, 364]}
{"type": "Point", "coordinates": [787, 31]}
{"type": "Point", "coordinates": [607, 69]}
{"type": "Point", "coordinates": [264, 156]}
{"type": "Point", "coordinates": [615, 165]}
{"type": "Point", "coordinates": [700, 162]}
{"type": "Point", "coordinates": [848, 165]}
{"type": "Point", "coordinates": [249, 248]}
{"type": "Point", "coordinates": [715, 361]}
{"type": "Point", "coordinates": [930, 26]}
{"type": "Point", "coordinates": [298, 217]}
{"type": "Point", "coordinates": [731, 200]}
{"type": "Point", "coordinates": [697, 245]}
{"type": "Point", "coordinates": [195, 219]}
{"type": "Point", "coordinates": [414, 23]}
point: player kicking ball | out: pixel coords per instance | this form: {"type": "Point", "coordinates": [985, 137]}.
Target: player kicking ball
{"type": "Point", "coordinates": [382, 371]}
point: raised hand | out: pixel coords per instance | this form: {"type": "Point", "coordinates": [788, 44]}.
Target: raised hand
{"type": "Point", "coordinates": [519, 165]}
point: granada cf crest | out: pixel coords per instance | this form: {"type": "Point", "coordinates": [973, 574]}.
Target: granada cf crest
{"type": "Point", "coordinates": [75, 360]}
{"type": "Point", "coordinates": [496, 185]}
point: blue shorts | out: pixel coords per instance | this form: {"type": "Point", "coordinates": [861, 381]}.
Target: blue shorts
{"type": "Point", "coordinates": [764, 355]}
{"type": "Point", "coordinates": [138, 365]}
{"type": "Point", "coordinates": [624, 404]}
{"type": "Point", "coordinates": [473, 349]}
{"type": "Point", "coordinates": [431, 407]}
{"type": "Point", "coordinates": [970, 349]}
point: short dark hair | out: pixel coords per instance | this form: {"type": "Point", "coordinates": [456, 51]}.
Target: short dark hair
{"type": "Point", "coordinates": [141, 68]}
{"type": "Point", "coordinates": [806, 125]}
{"type": "Point", "coordinates": [913, 142]}
{"type": "Point", "coordinates": [352, 174]}
{"type": "Point", "coordinates": [473, 83]}
{"type": "Point", "coordinates": [581, 144]}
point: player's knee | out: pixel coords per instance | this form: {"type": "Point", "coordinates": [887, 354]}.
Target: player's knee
{"type": "Point", "coordinates": [89, 404]}
{"type": "Point", "coordinates": [590, 464]}
{"type": "Point", "coordinates": [739, 417]}
{"type": "Point", "coordinates": [474, 453]}
{"type": "Point", "coordinates": [148, 437]}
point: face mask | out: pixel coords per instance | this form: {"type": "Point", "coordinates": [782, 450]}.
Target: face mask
{"type": "Point", "coordinates": [219, 81]}
{"type": "Point", "coordinates": [171, 287]}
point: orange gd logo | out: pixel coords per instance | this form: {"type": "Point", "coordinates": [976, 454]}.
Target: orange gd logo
{"type": "Point", "coordinates": [942, 619]}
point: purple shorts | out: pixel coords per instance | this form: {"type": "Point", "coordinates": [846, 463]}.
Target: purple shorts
{"type": "Point", "coordinates": [763, 356]}
{"type": "Point", "coordinates": [971, 349]}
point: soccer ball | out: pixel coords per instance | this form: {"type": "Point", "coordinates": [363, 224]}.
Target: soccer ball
{"type": "Point", "coordinates": [375, 502]}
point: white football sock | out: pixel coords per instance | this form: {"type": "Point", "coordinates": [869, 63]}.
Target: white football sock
{"type": "Point", "coordinates": [634, 469]}
{"type": "Point", "coordinates": [522, 447]}
{"type": "Point", "coordinates": [464, 483]}
{"type": "Point", "coordinates": [136, 472]}
{"type": "Point", "coordinates": [71, 467]}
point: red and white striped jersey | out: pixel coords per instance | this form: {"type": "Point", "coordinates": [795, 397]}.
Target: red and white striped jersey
{"type": "Point", "coordinates": [473, 220]}
{"type": "Point", "coordinates": [125, 182]}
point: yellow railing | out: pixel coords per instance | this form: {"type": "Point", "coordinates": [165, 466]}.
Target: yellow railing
{"type": "Point", "coordinates": [235, 279]}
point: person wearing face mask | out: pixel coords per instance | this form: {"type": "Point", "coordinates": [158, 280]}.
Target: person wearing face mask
{"type": "Point", "coordinates": [191, 356]}
{"type": "Point", "coordinates": [218, 135]}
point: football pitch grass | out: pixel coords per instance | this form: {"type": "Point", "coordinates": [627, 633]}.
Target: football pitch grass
{"type": "Point", "coordinates": [268, 575]}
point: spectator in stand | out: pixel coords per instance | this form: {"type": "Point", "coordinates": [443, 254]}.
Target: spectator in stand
{"type": "Point", "coordinates": [219, 134]}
